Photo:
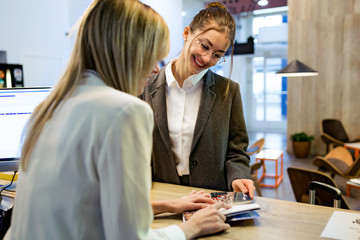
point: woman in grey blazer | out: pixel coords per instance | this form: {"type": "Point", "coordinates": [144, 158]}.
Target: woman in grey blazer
{"type": "Point", "coordinates": [200, 137]}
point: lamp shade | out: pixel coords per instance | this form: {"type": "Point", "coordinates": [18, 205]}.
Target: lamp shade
{"type": "Point", "coordinates": [296, 69]}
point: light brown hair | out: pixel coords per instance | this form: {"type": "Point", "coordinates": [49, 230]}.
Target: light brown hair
{"type": "Point", "coordinates": [216, 13]}
{"type": "Point", "coordinates": [119, 39]}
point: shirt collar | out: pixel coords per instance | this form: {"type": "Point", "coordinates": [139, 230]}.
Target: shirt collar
{"type": "Point", "coordinates": [194, 79]}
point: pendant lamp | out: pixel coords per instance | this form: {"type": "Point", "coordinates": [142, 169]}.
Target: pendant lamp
{"type": "Point", "coordinates": [296, 69]}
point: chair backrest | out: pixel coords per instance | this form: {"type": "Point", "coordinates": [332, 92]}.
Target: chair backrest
{"type": "Point", "coordinates": [256, 147]}
{"type": "Point", "coordinates": [342, 154]}
{"type": "Point", "coordinates": [354, 169]}
{"type": "Point", "coordinates": [334, 128]}
{"type": "Point", "coordinates": [256, 166]}
{"type": "Point", "coordinates": [300, 179]}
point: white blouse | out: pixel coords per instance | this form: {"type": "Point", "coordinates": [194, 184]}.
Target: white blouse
{"type": "Point", "coordinates": [89, 174]}
{"type": "Point", "coordinates": [182, 106]}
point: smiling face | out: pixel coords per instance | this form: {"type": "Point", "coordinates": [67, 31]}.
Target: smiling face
{"type": "Point", "coordinates": [202, 49]}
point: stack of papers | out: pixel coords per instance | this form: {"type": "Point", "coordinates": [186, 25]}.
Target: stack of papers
{"type": "Point", "coordinates": [343, 225]}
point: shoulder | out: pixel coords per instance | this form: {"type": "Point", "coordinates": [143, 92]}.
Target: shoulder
{"type": "Point", "coordinates": [221, 82]}
{"type": "Point", "coordinates": [156, 81]}
{"type": "Point", "coordinates": [109, 102]}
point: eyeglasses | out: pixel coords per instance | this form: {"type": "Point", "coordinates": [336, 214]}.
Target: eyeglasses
{"type": "Point", "coordinates": [215, 57]}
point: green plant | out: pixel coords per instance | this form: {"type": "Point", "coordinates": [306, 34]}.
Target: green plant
{"type": "Point", "coordinates": [301, 137]}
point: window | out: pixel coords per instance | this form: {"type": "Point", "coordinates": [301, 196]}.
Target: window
{"type": "Point", "coordinates": [266, 21]}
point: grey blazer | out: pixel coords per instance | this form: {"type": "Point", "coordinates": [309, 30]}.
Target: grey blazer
{"type": "Point", "coordinates": [218, 151]}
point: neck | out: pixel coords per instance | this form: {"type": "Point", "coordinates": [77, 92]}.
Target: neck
{"type": "Point", "coordinates": [180, 71]}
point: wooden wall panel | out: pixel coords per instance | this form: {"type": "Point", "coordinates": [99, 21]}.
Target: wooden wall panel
{"type": "Point", "coordinates": [324, 34]}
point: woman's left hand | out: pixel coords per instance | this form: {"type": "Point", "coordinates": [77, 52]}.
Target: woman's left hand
{"type": "Point", "coordinates": [194, 201]}
{"type": "Point", "coordinates": [244, 185]}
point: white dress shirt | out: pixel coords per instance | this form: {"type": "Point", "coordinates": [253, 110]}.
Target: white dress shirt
{"type": "Point", "coordinates": [182, 105]}
{"type": "Point", "coordinates": [89, 173]}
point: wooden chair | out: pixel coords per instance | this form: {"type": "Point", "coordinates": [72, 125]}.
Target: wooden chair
{"type": "Point", "coordinates": [339, 162]}
{"type": "Point", "coordinates": [333, 134]}
{"type": "Point", "coordinates": [300, 179]}
{"type": "Point", "coordinates": [253, 149]}
{"type": "Point", "coordinates": [314, 185]}
{"type": "Point", "coordinates": [256, 147]}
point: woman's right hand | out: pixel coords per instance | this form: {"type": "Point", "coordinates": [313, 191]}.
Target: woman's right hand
{"type": "Point", "coordinates": [205, 221]}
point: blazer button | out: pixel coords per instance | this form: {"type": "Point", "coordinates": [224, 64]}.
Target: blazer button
{"type": "Point", "coordinates": [194, 163]}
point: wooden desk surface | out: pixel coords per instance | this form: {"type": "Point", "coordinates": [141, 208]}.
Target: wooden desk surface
{"type": "Point", "coordinates": [278, 219]}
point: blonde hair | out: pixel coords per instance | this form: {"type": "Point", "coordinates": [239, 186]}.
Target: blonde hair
{"type": "Point", "coordinates": [216, 13]}
{"type": "Point", "coordinates": [119, 39]}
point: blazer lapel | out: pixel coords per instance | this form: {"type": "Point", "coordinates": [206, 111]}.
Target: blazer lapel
{"type": "Point", "coordinates": [206, 103]}
{"type": "Point", "coordinates": [158, 94]}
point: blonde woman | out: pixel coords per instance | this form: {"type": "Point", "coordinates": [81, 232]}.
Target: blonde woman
{"type": "Point", "coordinates": [85, 164]}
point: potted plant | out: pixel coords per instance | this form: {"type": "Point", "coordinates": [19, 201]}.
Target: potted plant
{"type": "Point", "coordinates": [301, 143]}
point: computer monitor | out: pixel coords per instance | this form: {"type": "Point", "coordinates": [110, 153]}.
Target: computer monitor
{"type": "Point", "coordinates": [16, 106]}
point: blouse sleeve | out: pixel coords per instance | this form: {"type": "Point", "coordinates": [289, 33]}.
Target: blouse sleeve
{"type": "Point", "coordinates": [125, 179]}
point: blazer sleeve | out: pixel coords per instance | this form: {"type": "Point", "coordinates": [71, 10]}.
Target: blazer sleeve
{"type": "Point", "coordinates": [237, 163]}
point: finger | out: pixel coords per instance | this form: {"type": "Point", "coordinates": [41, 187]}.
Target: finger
{"type": "Point", "coordinates": [219, 205]}
{"type": "Point", "coordinates": [251, 188]}
{"type": "Point", "coordinates": [220, 212]}
{"type": "Point", "coordinates": [235, 188]}
{"type": "Point", "coordinates": [227, 205]}
{"type": "Point", "coordinates": [203, 193]}
{"type": "Point", "coordinates": [204, 199]}
{"type": "Point", "coordinates": [193, 192]}
{"type": "Point", "coordinates": [221, 217]}
{"type": "Point", "coordinates": [225, 226]}
{"type": "Point", "coordinates": [197, 206]}
{"type": "Point", "coordinates": [240, 185]}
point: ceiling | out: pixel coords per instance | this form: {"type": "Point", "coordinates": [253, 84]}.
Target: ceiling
{"type": "Point", "coordinates": [192, 7]}
{"type": "Point", "coordinates": [238, 6]}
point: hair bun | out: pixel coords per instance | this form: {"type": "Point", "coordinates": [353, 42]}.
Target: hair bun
{"type": "Point", "coordinates": [216, 5]}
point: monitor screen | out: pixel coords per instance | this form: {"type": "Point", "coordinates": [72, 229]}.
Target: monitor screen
{"type": "Point", "coordinates": [16, 106]}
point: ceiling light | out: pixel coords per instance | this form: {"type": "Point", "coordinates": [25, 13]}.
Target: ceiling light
{"type": "Point", "coordinates": [271, 10]}
{"type": "Point", "coordinates": [263, 3]}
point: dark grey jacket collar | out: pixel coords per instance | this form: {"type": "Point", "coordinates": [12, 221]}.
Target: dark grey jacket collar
{"type": "Point", "coordinates": [158, 93]}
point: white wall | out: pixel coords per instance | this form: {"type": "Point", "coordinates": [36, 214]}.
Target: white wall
{"type": "Point", "coordinates": [76, 9]}
{"type": "Point", "coordinates": [191, 8]}
{"type": "Point", "coordinates": [33, 33]}
{"type": "Point", "coordinates": [240, 74]}
{"type": "Point", "coordinates": [171, 12]}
